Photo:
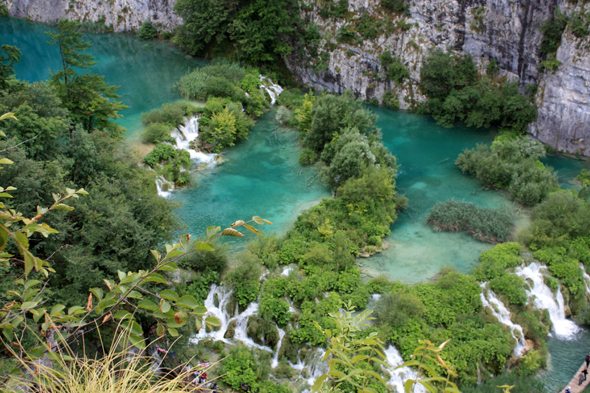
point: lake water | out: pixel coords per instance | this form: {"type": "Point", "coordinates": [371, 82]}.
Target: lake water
{"type": "Point", "coordinates": [262, 176]}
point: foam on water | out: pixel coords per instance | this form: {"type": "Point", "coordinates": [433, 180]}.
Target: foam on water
{"type": "Point", "coordinates": [400, 375]}
{"type": "Point", "coordinates": [271, 88]}
{"type": "Point", "coordinates": [544, 298]}
{"type": "Point", "coordinates": [499, 310]}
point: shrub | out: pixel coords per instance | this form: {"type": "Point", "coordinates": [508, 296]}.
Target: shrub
{"type": "Point", "coordinates": [147, 31]}
{"type": "Point", "coordinates": [218, 80]}
{"type": "Point", "coordinates": [157, 133]}
{"type": "Point", "coordinates": [398, 6]}
{"type": "Point", "coordinates": [172, 114]}
{"type": "Point", "coordinates": [512, 287]}
{"type": "Point", "coordinates": [552, 31]}
{"type": "Point", "coordinates": [307, 156]}
{"type": "Point", "coordinates": [512, 164]}
{"type": "Point", "coordinates": [244, 279]}
{"type": "Point", "coordinates": [495, 261]}
{"type": "Point", "coordinates": [482, 223]}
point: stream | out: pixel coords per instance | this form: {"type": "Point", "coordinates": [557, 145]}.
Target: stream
{"type": "Point", "coordinates": [261, 176]}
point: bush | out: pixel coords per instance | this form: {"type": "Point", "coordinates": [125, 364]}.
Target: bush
{"type": "Point", "coordinates": [398, 6]}
{"type": "Point", "coordinates": [455, 91]}
{"type": "Point", "coordinates": [512, 164]}
{"type": "Point", "coordinates": [244, 279]}
{"type": "Point", "coordinates": [172, 114]}
{"type": "Point", "coordinates": [512, 287]}
{"type": "Point", "coordinates": [495, 261]}
{"type": "Point", "coordinates": [482, 223]}
{"type": "Point", "coordinates": [217, 80]}
{"type": "Point", "coordinates": [307, 156]}
{"type": "Point", "coordinates": [157, 133]}
{"type": "Point", "coordinates": [147, 31]}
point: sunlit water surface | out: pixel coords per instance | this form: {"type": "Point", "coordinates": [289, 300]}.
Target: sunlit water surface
{"type": "Point", "coordinates": [262, 176]}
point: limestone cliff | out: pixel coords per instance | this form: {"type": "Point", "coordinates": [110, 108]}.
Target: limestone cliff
{"type": "Point", "coordinates": [124, 15]}
{"type": "Point", "coordinates": [563, 98]}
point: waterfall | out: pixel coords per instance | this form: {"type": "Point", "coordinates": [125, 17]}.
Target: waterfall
{"type": "Point", "coordinates": [503, 315]}
{"type": "Point", "coordinates": [160, 182]}
{"type": "Point", "coordinates": [286, 271]}
{"type": "Point", "coordinates": [586, 278]}
{"type": "Point", "coordinates": [187, 133]}
{"type": "Point", "coordinates": [275, 359]}
{"type": "Point", "coordinates": [399, 376]}
{"type": "Point", "coordinates": [544, 298]}
{"type": "Point", "coordinates": [272, 89]}
{"type": "Point", "coordinates": [221, 313]}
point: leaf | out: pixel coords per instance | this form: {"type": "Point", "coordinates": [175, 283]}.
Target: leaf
{"type": "Point", "coordinates": [160, 329]}
{"type": "Point", "coordinates": [252, 229]}
{"type": "Point", "coordinates": [319, 382]}
{"type": "Point", "coordinates": [180, 317]}
{"type": "Point", "coordinates": [202, 246]}
{"type": "Point", "coordinates": [22, 240]}
{"type": "Point", "coordinates": [266, 221]}
{"type": "Point", "coordinates": [36, 353]}
{"type": "Point", "coordinates": [122, 314]}
{"type": "Point", "coordinates": [97, 292]}
{"type": "Point", "coordinates": [164, 306]}
{"type": "Point", "coordinates": [212, 231]}
{"type": "Point", "coordinates": [82, 191]}
{"type": "Point", "coordinates": [6, 161]}
{"type": "Point", "coordinates": [133, 327]}
{"type": "Point", "coordinates": [75, 310]}
{"type": "Point", "coordinates": [169, 295]}
{"type": "Point", "coordinates": [28, 305]}
{"type": "Point", "coordinates": [258, 220]}
{"type": "Point", "coordinates": [231, 232]}
{"type": "Point", "coordinates": [237, 223]}
{"type": "Point", "coordinates": [173, 332]}
{"type": "Point", "coordinates": [155, 277]}
{"type": "Point", "coordinates": [55, 310]}
{"type": "Point", "coordinates": [135, 295]}
{"type": "Point", "coordinates": [188, 301]}
{"type": "Point", "coordinates": [148, 305]}
{"type": "Point", "coordinates": [137, 341]}
{"type": "Point", "coordinates": [62, 206]}
{"type": "Point", "coordinates": [156, 255]}
{"type": "Point", "coordinates": [169, 267]}
{"type": "Point", "coordinates": [3, 238]}
{"type": "Point", "coordinates": [212, 321]}
{"type": "Point", "coordinates": [8, 333]}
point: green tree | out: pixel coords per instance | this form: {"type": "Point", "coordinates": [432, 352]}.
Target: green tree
{"type": "Point", "coordinates": [8, 56]}
{"type": "Point", "coordinates": [89, 99]}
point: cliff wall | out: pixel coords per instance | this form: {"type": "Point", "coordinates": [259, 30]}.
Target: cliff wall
{"type": "Point", "coordinates": [124, 15]}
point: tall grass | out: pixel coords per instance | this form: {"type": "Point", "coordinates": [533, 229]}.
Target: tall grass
{"type": "Point", "coordinates": [484, 224]}
{"type": "Point", "coordinates": [119, 371]}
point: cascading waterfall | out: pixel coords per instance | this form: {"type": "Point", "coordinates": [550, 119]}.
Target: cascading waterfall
{"type": "Point", "coordinates": [586, 278]}
{"type": "Point", "coordinates": [272, 89]}
{"type": "Point", "coordinates": [160, 183]}
{"type": "Point", "coordinates": [275, 359]}
{"type": "Point", "coordinates": [499, 310]}
{"type": "Point", "coordinates": [187, 133]}
{"type": "Point", "coordinates": [544, 298]}
{"type": "Point", "coordinates": [220, 312]}
{"type": "Point", "coordinates": [399, 376]}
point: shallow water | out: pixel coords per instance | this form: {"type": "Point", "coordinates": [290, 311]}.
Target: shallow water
{"type": "Point", "coordinates": [261, 177]}
{"type": "Point", "coordinates": [566, 357]}
{"type": "Point", "coordinates": [427, 175]}
{"type": "Point", "coordinates": [144, 70]}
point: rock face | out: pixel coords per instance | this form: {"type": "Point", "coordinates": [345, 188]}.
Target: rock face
{"type": "Point", "coordinates": [563, 99]}
{"type": "Point", "coordinates": [124, 15]}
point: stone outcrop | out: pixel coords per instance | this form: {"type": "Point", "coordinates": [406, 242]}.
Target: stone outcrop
{"type": "Point", "coordinates": [123, 15]}
{"type": "Point", "coordinates": [563, 99]}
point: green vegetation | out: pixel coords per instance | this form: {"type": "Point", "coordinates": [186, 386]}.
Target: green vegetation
{"type": "Point", "coordinates": [395, 70]}
{"type": "Point", "coordinates": [482, 223]}
{"type": "Point", "coordinates": [8, 56]}
{"type": "Point", "coordinates": [552, 31]}
{"type": "Point", "coordinates": [580, 24]}
{"type": "Point", "coordinates": [456, 92]}
{"type": "Point", "coordinates": [147, 31]}
{"type": "Point", "coordinates": [514, 165]}
{"type": "Point", "coordinates": [171, 163]}
{"type": "Point", "coordinates": [256, 32]}
{"type": "Point", "coordinates": [159, 123]}
{"type": "Point", "coordinates": [398, 6]}
{"type": "Point", "coordinates": [90, 101]}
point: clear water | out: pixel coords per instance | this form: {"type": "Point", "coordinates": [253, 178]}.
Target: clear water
{"type": "Point", "coordinates": [262, 176]}
{"type": "Point", "coordinates": [426, 153]}
{"type": "Point", "coordinates": [145, 70]}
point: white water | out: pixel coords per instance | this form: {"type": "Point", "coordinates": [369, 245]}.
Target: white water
{"type": "Point", "coordinates": [187, 133]}
{"type": "Point", "coordinates": [221, 313]}
{"type": "Point", "coordinates": [489, 299]}
{"type": "Point", "coordinates": [286, 271]}
{"type": "Point", "coordinates": [586, 278]}
{"type": "Point", "coordinates": [399, 376]}
{"type": "Point", "coordinates": [544, 298]}
{"type": "Point", "coordinates": [272, 89]}
{"type": "Point", "coordinates": [160, 182]}
{"type": "Point", "coordinates": [275, 359]}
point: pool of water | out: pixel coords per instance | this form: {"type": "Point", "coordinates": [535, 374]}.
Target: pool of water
{"type": "Point", "coordinates": [145, 70]}
{"type": "Point", "coordinates": [427, 175]}
{"type": "Point", "coordinates": [566, 358]}
{"type": "Point", "coordinates": [261, 177]}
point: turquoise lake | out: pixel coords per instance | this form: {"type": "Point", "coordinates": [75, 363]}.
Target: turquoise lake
{"type": "Point", "coordinates": [262, 176]}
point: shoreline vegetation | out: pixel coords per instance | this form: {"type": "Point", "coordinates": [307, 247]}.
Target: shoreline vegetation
{"type": "Point", "coordinates": [111, 230]}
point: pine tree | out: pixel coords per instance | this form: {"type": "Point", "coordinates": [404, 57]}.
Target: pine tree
{"type": "Point", "coordinates": [89, 99]}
